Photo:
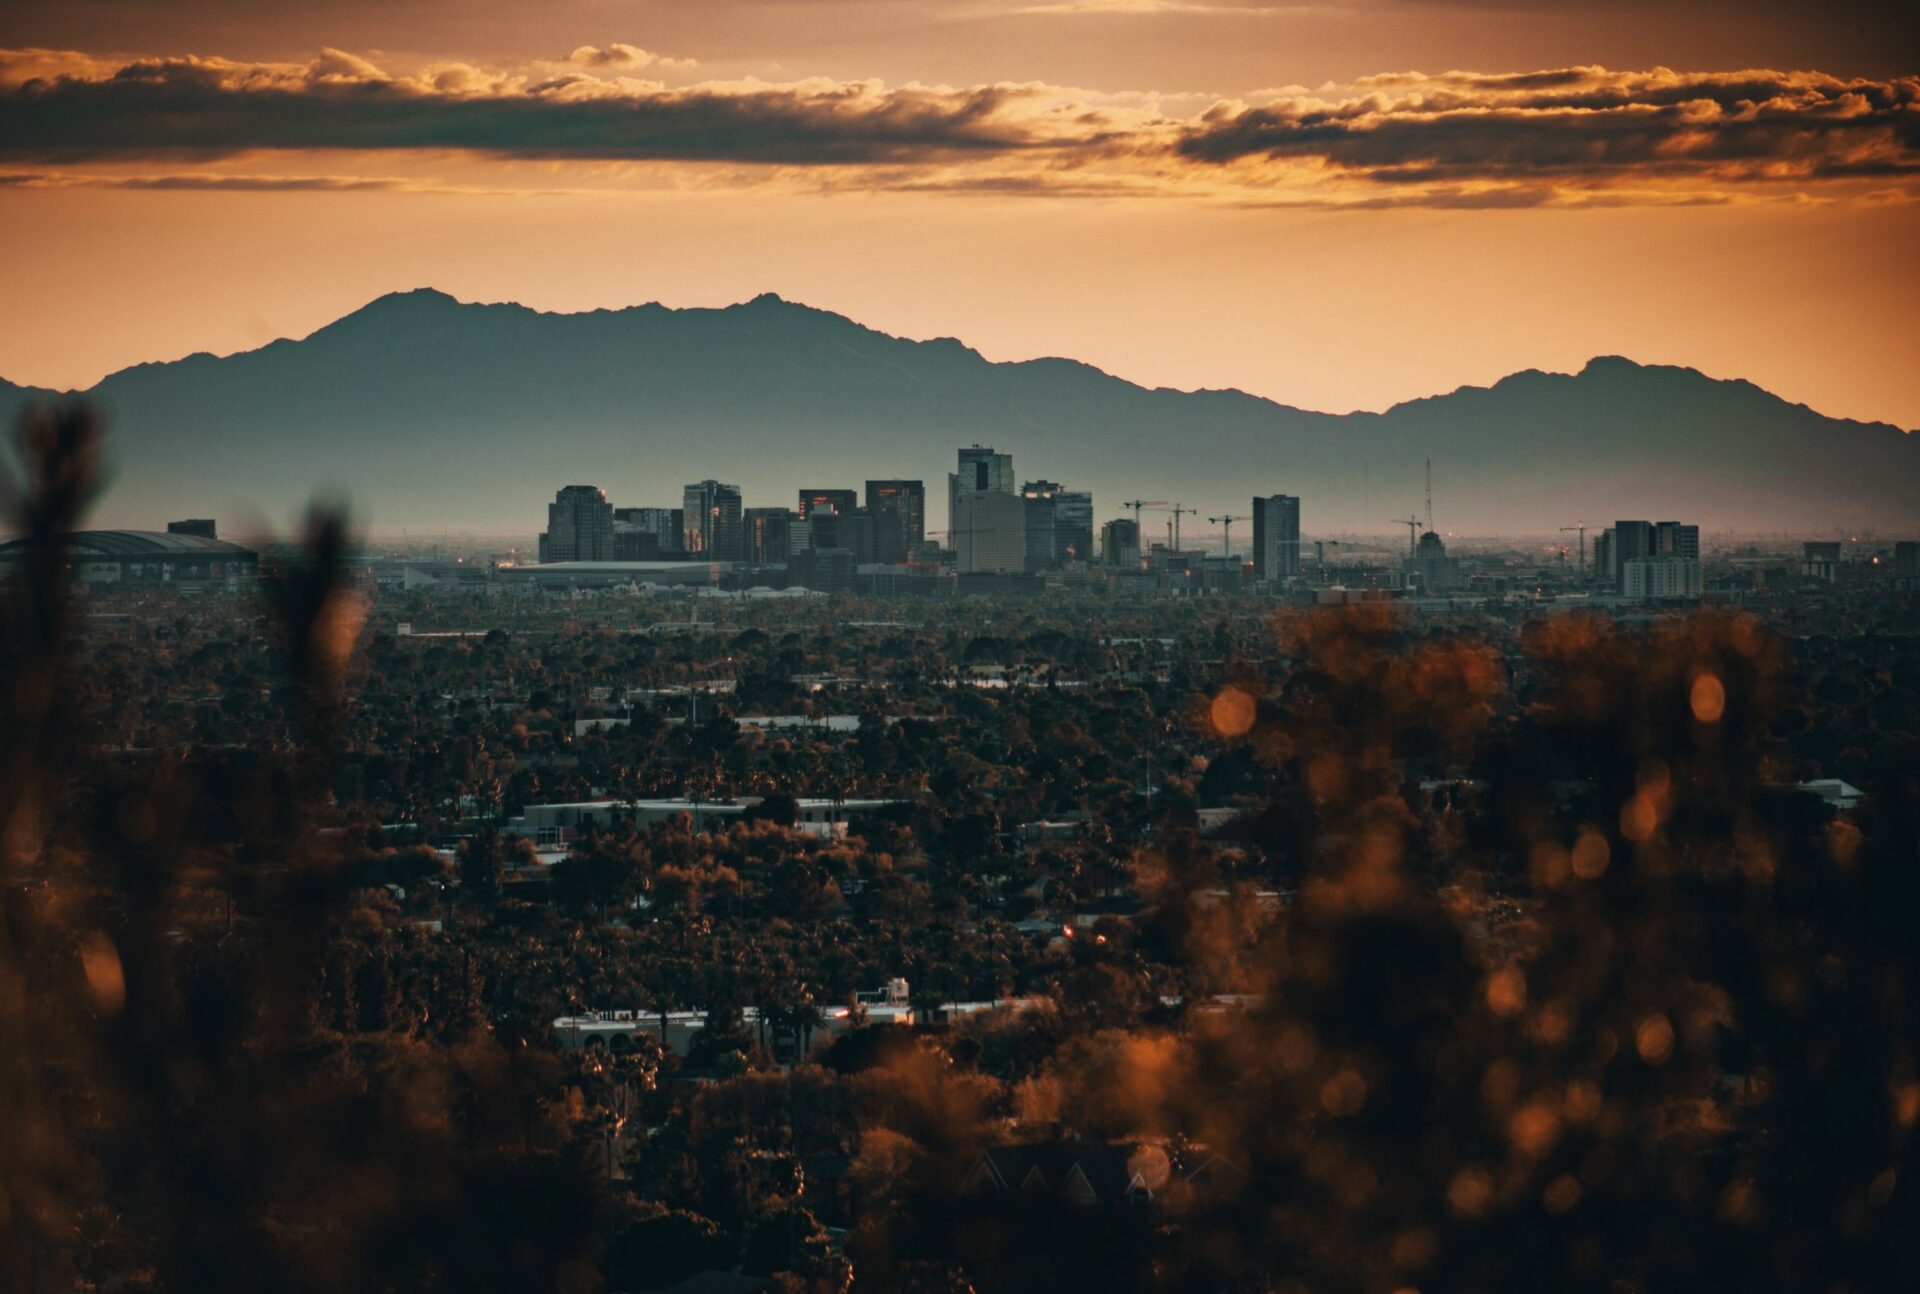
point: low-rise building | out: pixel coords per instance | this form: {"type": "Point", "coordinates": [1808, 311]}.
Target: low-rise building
{"type": "Point", "coordinates": [190, 559]}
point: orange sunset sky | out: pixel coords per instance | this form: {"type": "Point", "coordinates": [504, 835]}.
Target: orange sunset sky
{"type": "Point", "coordinates": [1337, 205]}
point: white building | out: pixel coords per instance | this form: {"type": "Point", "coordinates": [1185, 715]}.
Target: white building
{"type": "Point", "coordinates": [1648, 579]}
{"type": "Point", "coordinates": [553, 824]}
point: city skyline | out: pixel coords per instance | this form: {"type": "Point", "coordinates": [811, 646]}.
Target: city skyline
{"type": "Point", "coordinates": [1040, 529]}
{"type": "Point", "coordinates": [1337, 205]}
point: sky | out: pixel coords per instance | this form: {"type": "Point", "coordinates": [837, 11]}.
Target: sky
{"type": "Point", "coordinates": [1336, 205]}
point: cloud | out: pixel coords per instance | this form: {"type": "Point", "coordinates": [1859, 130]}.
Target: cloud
{"type": "Point", "coordinates": [1579, 136]}
{"type": "Point", "coordinates": [211, 182]}
{"type": "Point", "coordinates": [623, 56]}
{"type": "Point", "coordinates": [210, 108]}
{"type": "Point", "coordinates": [195, 182]}
{"type": "Point", "coordinates": [1588, 125]}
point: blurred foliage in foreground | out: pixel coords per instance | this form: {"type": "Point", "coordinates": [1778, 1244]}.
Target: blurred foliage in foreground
{"type": "Point", "coordinates": [1686, 1063]}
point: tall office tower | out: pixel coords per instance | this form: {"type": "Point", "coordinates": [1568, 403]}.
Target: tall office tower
{"type": "Point", "coordinates": [1436, 571]}
{"type": "Point", "coordinates": [645, 534]}
{"type": "Point", "coordinates": [1120, 543]}
{"type": "Point", "coordinates": [1276, 537]}
{"type": "Point", "coordinates": [981, 471]}
{"type": "Point", "coordinates": [711, 513]}
{"type": "Point", "coordinates": [1039, 498]}
{"type": "Point", "coordinates": [990, 532]}
{"type": "Point", "coordinates": [1632, 541]}
{"type": "Point", "coordinates": [632, 544]}
{"type": "Point", "coordinates": [579, 526]}
{"type": "Point", "coordinates": [1604, 567]}
{"type": "Point", "coordinates": [662, 523]}
{"type": "Point", "coordinates": [769, 535]}
{"type": "Point", "coordinates": [856, 534]}
{"type": "Point", "coordinates": [1073, 527]}
{"type": "Point", "coordinates": [899, 511]}
{"type": "Point", "coordinates": [852, 531]}
{"type": "Point", "coordinates": [1671, 539]}
{"type": "Point", "coordinates": [838, 502]}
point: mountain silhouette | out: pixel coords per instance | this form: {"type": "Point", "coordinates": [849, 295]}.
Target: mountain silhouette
{"type": "Point", "coordinates": [431, 413]}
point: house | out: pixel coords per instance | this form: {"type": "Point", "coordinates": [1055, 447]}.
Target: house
{"type": "Point", "coordinates": [1084, 1173]}
{"type": "Point", "coordinates": [1841, 795]}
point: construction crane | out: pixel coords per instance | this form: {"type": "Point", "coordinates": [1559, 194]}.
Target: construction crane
{"type": "Point", "coordinates": [1413, 528]}
{"type": "Point", "coordinates": [1138, 504]}
{"type": "Point", "coordinates": [1178, 511]}
{"type": "Point", "coordinates": [1226, 533]}
{"type": "Point", "coordinates": [1580, 526]}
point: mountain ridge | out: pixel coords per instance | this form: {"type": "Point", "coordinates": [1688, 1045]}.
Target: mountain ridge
{"type": "Point", "coordinates": [440, 298]}
{"type": "Point", "coordinates": [418, 385]}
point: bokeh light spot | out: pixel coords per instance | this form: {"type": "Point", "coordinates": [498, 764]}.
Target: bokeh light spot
{"type": "Point", "coordinates": [105, 979]}
{"type": "Point", "coordinates": [1344, 1095]}
{"type": "Point", "coordinates": [1562, 1193]}
{"type": "Point", "coordinates": [1708, 698]}
{"type": "Point", "coordinates": [1590, 856]}
{"type": "Point", "coordinates": [1507, 991]}
{"type": "Point", "coordinates": [1654, 1038]}
{"type": "Point", "coordinates": [1232, 712]}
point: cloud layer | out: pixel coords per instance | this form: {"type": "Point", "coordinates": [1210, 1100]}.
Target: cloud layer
{"type": "Point", "coordinates": [212, 108]}
{"type": "Point", "coordinates": [1570, 136]}
{"type": "Point", "coordinates": [1588, 125]}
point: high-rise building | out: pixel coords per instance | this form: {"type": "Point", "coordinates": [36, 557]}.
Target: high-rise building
{"type": "Point", "coordinates": [1073, 527]}
{"type": "Point", "coordinates": [1906, 559]}
{"type": "Point", "coordinates": [1632, 540]}
{"type": "Point", "coordinates": [645, 534]}
{"type": "Point", "coordinates": [1821, 560]}
{"type": "Point", "coordinates": [981, 471]}
{"type": "Point", "coordinates": [769, 536]}
{"type": "Point", "coordinates": [1120, 543]}
{"type": "Point", "coordinates": [1437, 572]}
{"type": "Point", "coordinates": [990, 532]}
{"type": "Point", "coordinates": [1629, 542]}
{"type": "Point", "coordinates": [1671, 539]}
{"type": "Point", "coordinates": [1276, 537]}
{"type": "Point", "coordinates": [1647, 579]}
{"type": "Point", "coordinates": [851, 530]}
{"type": "Point", "coordinates": [712, 517]}
{"type": "Point", "coordinates": [662, 523]}
{"type": "Point", "coordinates": [579, 526]}
{"type": "Point", "coordinates": [899, 511]}
{"type": "Point", "coordinates": [838, 502]}
{"type": "Point", "coordinates": [1039, 497]}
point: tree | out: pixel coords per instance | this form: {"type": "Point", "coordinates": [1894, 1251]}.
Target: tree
{"type": "Point", "coordinates": [482, 863]}
{"type": "Point", "coordinates": [667, 1247]}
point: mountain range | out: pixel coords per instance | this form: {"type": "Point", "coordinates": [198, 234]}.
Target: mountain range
{"type": "Point", "coordinates": [430, 413]}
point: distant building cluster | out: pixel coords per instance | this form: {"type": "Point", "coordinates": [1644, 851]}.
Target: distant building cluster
{"type": "Point", "coordinates": [1000, 528]}
{"type": "Point", "coordinates": [830, 528]}
{"type": "Point", "coordinates": [1007, 534]}
{"type": "Point", "coordinates": [1649, 561]}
